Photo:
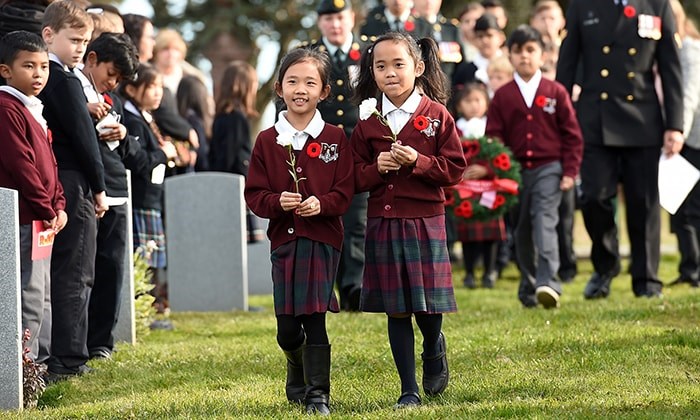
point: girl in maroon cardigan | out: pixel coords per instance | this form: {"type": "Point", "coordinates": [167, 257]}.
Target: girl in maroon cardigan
{"type": "Point", "coordinates": [404, 154]}
{"type": "Point", "coordinates": [301, 178]}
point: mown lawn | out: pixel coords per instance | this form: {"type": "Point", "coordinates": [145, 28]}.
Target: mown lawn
{"type": "Point", "coordinates": [618, 358]}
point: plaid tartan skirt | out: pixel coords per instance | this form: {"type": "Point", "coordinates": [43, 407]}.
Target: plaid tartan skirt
{"type": "Point", "coordinates": [478, 231]}
{"type": "Point", "coordinates": [407, 268]}
{"type": "Point", "coordinates": [148, 226]}
{"type": "Point", "coordinates": [303, 272]}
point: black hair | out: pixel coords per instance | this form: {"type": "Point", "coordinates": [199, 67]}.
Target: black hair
{"type": "Point", "coordinates": [433, 82]}
{"type": "Point", "coordinates": [305, 53]}
{"type": "Point", "coordinates": [133, 26]}
{"type": "Point", "coordinates": [16, 41]}
{"type": "Point", "coordinates": [492, 3]}
{"type": "Point", "coordinates": [116, 49]}
{"type": "Point", "coordinates": [146, 74]}
{"type": "Point", "coordinates": [466, 90]}
{"type": "Point", "coordinates": [524, 34]}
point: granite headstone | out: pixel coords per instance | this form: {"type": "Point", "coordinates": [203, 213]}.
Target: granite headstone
{"type": "Point", "coordinates": [125, 330]}
{"type": "Point", "coordinates": [259, 265]}
{"type": "Point", "coordinates": [10, 304]}
{"type": "Point", "coordinates": [206, 242]}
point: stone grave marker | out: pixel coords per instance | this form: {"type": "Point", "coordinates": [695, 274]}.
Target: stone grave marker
{"type": "Point", "coordinates": [259, 265]}
{"type": "Point", "coordinates": [206, 242]}
{"type": "Point", "coordinates": [125, 330]}
{"type": "Point", "coordinates": [10, 304]}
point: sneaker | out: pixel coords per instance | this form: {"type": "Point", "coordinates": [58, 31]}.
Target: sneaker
{"type": "Point", "coordinates": [547, 297]}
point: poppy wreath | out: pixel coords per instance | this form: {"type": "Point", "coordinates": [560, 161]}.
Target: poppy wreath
{"type": "Point", "coordinates": [464, 200]}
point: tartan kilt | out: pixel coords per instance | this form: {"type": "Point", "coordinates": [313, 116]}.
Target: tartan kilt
{"type": "Point", "coordinates": [478, 231]}
{"type": "Point", "coordinates": [407, 267]}
{"type": "Point", "coordinates": [303, 272]}
{"type": "Point", "coordinates": [148, 226]}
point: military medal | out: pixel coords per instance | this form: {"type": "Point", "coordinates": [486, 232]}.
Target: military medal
{"type": "Point", "coordinates": [450, 52]}
{"type": "Point", "coordinates": [649, 26]}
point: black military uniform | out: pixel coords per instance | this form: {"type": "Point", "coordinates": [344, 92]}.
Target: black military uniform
{"type": "Point", "coordinates": [446, 33]}
{"type": "Point", "coordinates": [377, 25]}
{"type": "Point", "coordinates": [623, 125]}
{"type": "Point", "coordinates": [340, 111]}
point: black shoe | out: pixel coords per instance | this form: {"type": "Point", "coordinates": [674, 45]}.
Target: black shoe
{"type": "Point", "coordinates": [317, 370]}
{"type": "Point", "coordinates": [64, 373]}
{"type": "Point", "coordinates": [489, 280]}
{"type": "Point", "coordinates": [598, 286]}
{"type": "Point", "coordinates": [436, 384]}
{"type": "Point", "coordinates": [469, 281]}
{"type": "Point", "coordinates": [683, 279]}
{"type": "Point", "coordinates": [100, 353]}
{"type": "Point", "coordinates": [295, 387]}
{"type": "Point", "coordinates": [408, 400]}
{"type": "Point", "coordinates": [354, 299]}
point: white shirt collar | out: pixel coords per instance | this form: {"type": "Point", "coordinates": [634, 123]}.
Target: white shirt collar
{"type": "Point", "coordinates": [345, 48]}
{"type": "Point", "coordinates": [32, 103]}
{"type": "Point", "coordinates": [299, 137]}
{"type": "Point", "coordinates": [88, 88]}
{"type": "Point", "coordinates": [53, 57]}
{"type": "Point", "coordinates": [409, 106]}
{"type": "Point", "coordinates": [528, 89]}
{"type": "Point", "coordinates": [390, 18]}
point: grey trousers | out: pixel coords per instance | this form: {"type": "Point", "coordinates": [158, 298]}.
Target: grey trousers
{"type": "Point", "coordinates": [536, 240]}
{"type": "Point", "coordinates": [36, 298]}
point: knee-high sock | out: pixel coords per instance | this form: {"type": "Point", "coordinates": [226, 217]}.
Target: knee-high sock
{"type": "Point", "coordinates": [401, 341]}
{"type": "Point", "coordinates": [430, 326]}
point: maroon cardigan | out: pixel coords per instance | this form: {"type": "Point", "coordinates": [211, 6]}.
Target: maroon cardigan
{"type": "Point", "coordinates": [331, 182]}
{"type": "Point", "coordinates": [535, 136]}
{"type": "Point", "coordinates": [27, 163]}
{"type": "Point", "coordinates": [416, 191]}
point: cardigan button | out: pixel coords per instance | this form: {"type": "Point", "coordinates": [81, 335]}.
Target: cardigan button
{"type": "Point", "coordinates": [529, 117]}
{"type": "Point", "coordinates": [298, 169]}
{"type": "Point", "coordinates": [529, 136]}
{"type": "Point", "coordinates": [528, 153]}
{"type": "Point", "coordinates": [387, 207]}
{"type": "Point", "coordinates": [390, 187]}
{"type": "Point", "coordinates": [528, 164]}
{"type": "Point", "coordinates": [290, 231]}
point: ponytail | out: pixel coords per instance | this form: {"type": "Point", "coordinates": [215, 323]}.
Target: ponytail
{"type": "Point", "coordinates": [433, 81]}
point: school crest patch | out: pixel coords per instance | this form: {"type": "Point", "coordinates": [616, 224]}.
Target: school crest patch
{"type": "Point", "coordinates": [329, 152]}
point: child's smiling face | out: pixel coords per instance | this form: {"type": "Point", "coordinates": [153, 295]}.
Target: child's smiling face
{"type": "Point", "coordinates": [302, 88]}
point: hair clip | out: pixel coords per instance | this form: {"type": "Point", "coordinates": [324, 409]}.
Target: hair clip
{"type": "Point", "coordinates": [95, 10]}
{"type": "Point", "coordinates": [369, 50]}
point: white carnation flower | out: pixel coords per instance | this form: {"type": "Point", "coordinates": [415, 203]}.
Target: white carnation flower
{"type": "Point", "coordinates": [285, 139]}
{"type": "Point", "coordinates": [367, 108]}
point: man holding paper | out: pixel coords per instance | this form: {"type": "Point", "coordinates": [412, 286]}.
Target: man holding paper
{"type": "Point", "coordinates": [616, 44]}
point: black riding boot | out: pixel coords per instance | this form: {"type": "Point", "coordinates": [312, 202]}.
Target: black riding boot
{"type": "Point", "coordinates": [317, 374]}
{"type": "Point", "coordinates": [296, 387]}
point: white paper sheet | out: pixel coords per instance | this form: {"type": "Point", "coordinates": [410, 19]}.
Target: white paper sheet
{"type": "Point", "coordinates": [677, 177]}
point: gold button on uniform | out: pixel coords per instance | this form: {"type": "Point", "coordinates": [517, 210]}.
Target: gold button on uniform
{"type": "Point", "coordinates": [631, 75]}
{"type": "Point", "coordinates": [632, 51]}
{"type": "Point", "coordinates": [604, 73]}
{"type": "Point", "coordinates": [339, 112]}
{"type": "Point", "coordinates": [606, 49]}
{"type": "Point", "coordinates": [339, 82]}
{"type": "Point", "coordinates": [340, 98]}
{"type": "Point", "coordinates": [604, 96]}
{"type": "Point", "coordinates": [630, 98]}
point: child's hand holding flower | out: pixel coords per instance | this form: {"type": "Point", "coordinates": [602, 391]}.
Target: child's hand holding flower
{"type": "Point", "coordinates": [289, 200]}
{"type": "Point", "coordinates": [405, 155]}
{"type": "Point", "coordinates": [310, 207]}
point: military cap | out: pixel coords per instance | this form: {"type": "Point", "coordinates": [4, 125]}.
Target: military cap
{"type": "Point", "coordinates": [332, 6]}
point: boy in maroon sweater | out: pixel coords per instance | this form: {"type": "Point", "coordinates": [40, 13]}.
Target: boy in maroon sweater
{"type": "Point", "coordinates": [27, 164]}
{"type": "Point", "coordinates": [534, 117]}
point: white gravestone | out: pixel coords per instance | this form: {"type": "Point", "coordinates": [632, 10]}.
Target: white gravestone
{"type": "Point", "coordinates": [125, 330]}
{"type": "Point", "coordinates": [205, 240]}
{"type": "Point", "coordinates": [10, 304]}
{"type": "Point", "coordinates": [259, 265]}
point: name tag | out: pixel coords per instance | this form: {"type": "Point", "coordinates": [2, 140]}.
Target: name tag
{"type": "Point", "coordinates": [590, 22]}
{"type": "Point", "coordinates": [649, 27]}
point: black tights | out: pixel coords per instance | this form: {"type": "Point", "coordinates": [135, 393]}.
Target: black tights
{"type": "Point", "coordinates": [401, 340]}
{"type": "Point", "coordinates": [292, 330]}
{"type": "Point", "coordinates": [487, 249]}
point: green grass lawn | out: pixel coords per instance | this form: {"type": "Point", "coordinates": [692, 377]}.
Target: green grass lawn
{"type": "Point", "coordinates": [621, 357]}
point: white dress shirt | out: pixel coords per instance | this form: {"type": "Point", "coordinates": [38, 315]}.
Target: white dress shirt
{"type": "Point", "coordinates": [299, 137]}
{"type": "Point", "coordinates": [398, 117]}
{"type": "Point", "coordinates": [528, 89]}
{"type": "Point", "coordinates": [33, 104]}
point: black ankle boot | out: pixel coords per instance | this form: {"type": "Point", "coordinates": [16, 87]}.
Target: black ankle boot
{"type": "Point", "coordinates": [296, 387]}
{"type": "Point", "coordinates": [435, 384]}
{"type": "Point", "coordinates": [317, 374]}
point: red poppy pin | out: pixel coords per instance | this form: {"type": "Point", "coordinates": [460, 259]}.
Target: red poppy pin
{"type": "Point", "coordinates": [426, 125]}
{"type": "Point", "coordinates": [409, 26]}
{"type": "Point", "coordinates": [541, 101]}
{"type": "Point", "coordinates": [629, 11]}
{"type": "Point", "coordinates": [313, 150]}
{"type": "Point", "coordinates": [108, 99]}
{"type": "Point", "coordinates": [354, 55]}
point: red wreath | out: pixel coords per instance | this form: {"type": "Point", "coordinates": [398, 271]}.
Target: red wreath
{"type": "Point", "coordinates": [499, 201]}
{"type": "Point", "coordinates": [314, 150]}
{"type": "Point", "coordinates": [420, 123]}
{"type": "Point", "coordinates": [629, 11]}
{"type": "Point", "coordinates": [449, 197]}
{"type": "Point", "coordinates": [471, 148]}
{"type": "Point", "coordinates": [464, 209]}
{"type": "Point", "coordinates": [502, 162]}
{"type": "Point", "coordinates": [354, 55]}
{"type": "Point", "coordinates": [541, 101]}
